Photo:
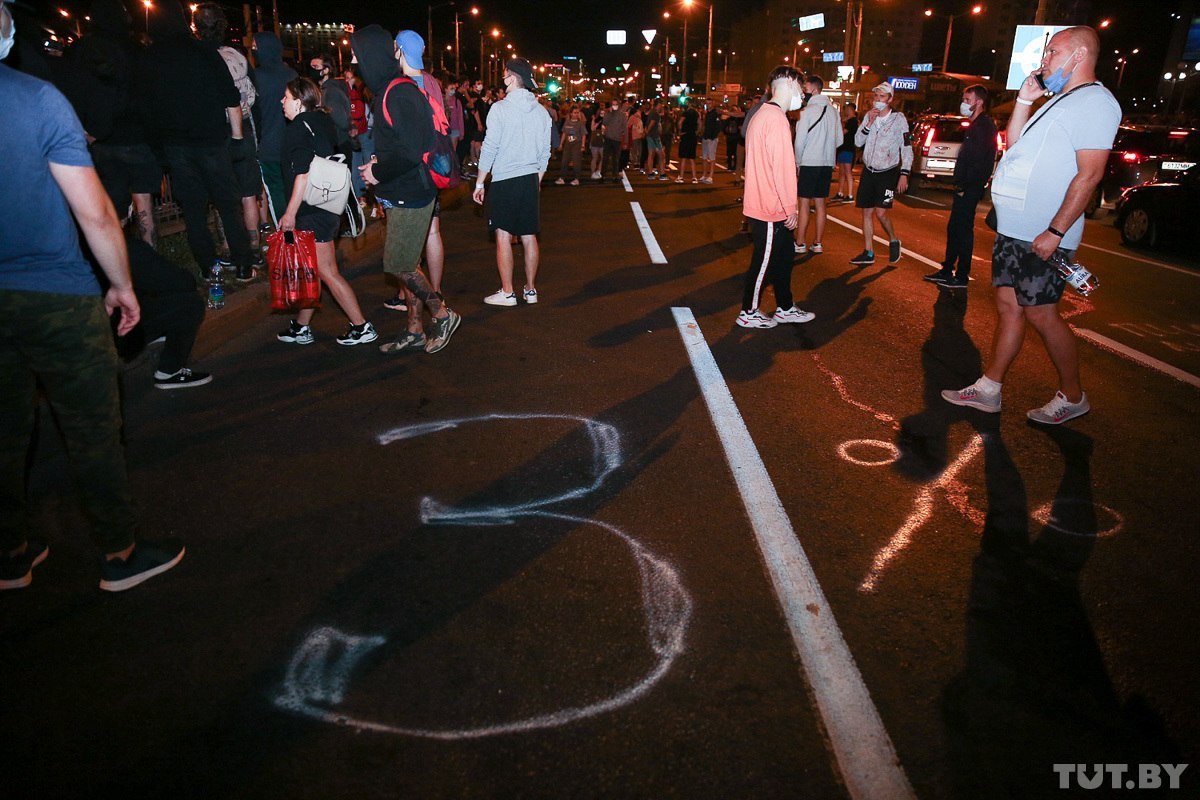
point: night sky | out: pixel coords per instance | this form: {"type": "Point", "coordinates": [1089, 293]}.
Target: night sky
{"type": "Point", "coordinates": [548, 30]}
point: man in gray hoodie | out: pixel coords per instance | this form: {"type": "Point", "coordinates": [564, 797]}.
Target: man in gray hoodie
{"type": "Point", "coordinates": [515, 151]}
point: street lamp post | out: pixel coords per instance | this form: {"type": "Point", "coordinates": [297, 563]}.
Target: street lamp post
{"type": "Point", "coordinates": [976, 10]}
{"type": "Point", "coordinates": [147, 5]}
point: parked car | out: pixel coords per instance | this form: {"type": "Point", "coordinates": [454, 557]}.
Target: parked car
{"type": "Point", "coordinates": [936, 140]}
{"type": "Point", "coordinates": [1150, 212]}
{"type": "Point", "coordinates": [1144, 154]}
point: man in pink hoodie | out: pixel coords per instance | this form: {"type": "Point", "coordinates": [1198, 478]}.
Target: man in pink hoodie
{"type": "Point", "coordinates": [770, 202]}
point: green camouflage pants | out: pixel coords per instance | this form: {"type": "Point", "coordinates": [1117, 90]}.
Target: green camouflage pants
{"type": "Point", "coordinates": [63, 341]}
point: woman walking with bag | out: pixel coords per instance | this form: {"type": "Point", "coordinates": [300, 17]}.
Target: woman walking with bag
{"type": "Point", "coordinates": [309, 134]}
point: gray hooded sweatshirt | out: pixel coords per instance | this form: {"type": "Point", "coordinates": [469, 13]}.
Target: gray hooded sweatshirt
{"type": "Point", "coordinates": [518, 137]}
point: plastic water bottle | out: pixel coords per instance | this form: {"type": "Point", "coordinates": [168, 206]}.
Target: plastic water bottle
{"type": "Point", "coordinates": [1074, 273]}
{"type": "Point", "coordinates": [216, 287]}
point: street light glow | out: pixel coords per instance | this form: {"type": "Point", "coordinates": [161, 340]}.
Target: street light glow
{"type": "Point", "coordinates": [475, 11]}
{"type": "Point", "coordinates": [65, 13]}
{"type": "Point", "coordinates": [977, 10]}
{"type": "Point", "coordinates": [929, 12]}
{"type": "Point", "coordinates": [1105, 23]}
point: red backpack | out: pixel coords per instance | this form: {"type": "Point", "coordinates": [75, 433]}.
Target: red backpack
{"type": "Point", "coordinates": [441, 161]}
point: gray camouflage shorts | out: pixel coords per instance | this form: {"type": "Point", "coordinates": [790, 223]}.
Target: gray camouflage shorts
{"type": "Point", "coordinates": [1036, 282]}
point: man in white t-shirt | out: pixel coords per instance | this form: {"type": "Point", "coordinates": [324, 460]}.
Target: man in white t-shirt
{"type": "Point", "coordinates": [1054, 162]}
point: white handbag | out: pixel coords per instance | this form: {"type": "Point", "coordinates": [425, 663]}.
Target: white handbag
{"type": "Point", "coordinates": [328, 182]}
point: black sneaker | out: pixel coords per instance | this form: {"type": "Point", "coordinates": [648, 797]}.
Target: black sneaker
{"type": "Point", "coordinates": [941, 276]}
{"type": "Point", "coordinates": [296, 334]}
{"type": "Point", "coordinates": [147, 560]}
{"type": "Point", "coordinates": [226, 264]}
{"type": "Point", "coordinates": [954, 283]}
{"type": "Point", "coordinates": [358, 334]}
{"type": "Point", "coordinates": [245, 275]}
{"type": "Point", "coordinates": [865, 257]}
{"type": "Point", "coordinates": [397, 303]}
{"type": "Point", "coordinates": [16, 572]}
{"type": "Point", "coordinates": [893, 251]}
{"type": "Point", "coordinates": [183, 379]}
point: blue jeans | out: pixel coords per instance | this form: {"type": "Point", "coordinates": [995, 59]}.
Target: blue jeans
{"type": "Point", "coordinates": [360, 158]}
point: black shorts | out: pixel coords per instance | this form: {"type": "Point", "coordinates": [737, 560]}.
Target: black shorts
{"type": "Point", "coordinates": [245, 168]}
{"type": "Point", "coordinates": [514, 205]}
{"type": "Point", "coordinates": [687, 145]}
{"type": "Point", "coordinates": [126, 170]}
{"type": "Point", "coordinates": [877, 189]}
{"type": "Point", "coordinates": [1035, 282]}
{"type": "Point", "coordinates": [814, 182]}
{"type": "Point", "coordinates": [324, 224]}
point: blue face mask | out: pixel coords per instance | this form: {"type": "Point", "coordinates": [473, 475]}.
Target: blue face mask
{"type": "Point", "coordinates": [1056, 80]}
{"type": "Point", "coordinates": [6, 44]}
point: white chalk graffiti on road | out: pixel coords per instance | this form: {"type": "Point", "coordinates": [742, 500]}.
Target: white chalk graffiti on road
{"type": "Point", "coordinates": [956, 492]}
{"type": "Point", "coordinates": [318, 676]}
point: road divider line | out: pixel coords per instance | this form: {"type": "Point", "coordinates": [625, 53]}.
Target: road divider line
{"type": "Point", "coordinates": [1137, 356]}
{"type": "Point", "coordinates": [923, 200]}
{"type": "Point", "coordinates": [656, 253]}
{"type": "Point", "coordinates": [625, 182]}
{"type": "Point", "coordinates": [1192, 273]}
{"type": "Point", "coordinates": [881, 240]}
{"type": "Point", "coordinates": [862, 749]}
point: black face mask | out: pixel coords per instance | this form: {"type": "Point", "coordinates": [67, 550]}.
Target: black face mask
{"type": "Point", "coordinates": [807, 96]}
{"type": "Point", "coordinates": [316, 75]}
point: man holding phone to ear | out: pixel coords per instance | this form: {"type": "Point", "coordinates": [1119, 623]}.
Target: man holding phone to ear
{"type": "Point", "coordinates": [1055, 158]}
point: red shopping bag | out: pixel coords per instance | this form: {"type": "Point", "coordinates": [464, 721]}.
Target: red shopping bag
{"type": "Point", "coordinates": [292, 268]}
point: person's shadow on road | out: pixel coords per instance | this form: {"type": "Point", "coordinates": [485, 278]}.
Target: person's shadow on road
{"type": "Point", "coordinates": [1034, 691]}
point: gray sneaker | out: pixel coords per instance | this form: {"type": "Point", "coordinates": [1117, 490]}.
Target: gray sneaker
{"type": "Point", "coordinates": [405, 341]}
{"type": "Point", "coordinates": [441, 331]}
{"type": "Point", "coordinates": [1060, 410]}
{"type": "Point", "coordinates": [973, 397]}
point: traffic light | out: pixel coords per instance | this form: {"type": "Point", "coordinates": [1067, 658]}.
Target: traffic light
{"type": "Point", "coordinates": [552, 87]}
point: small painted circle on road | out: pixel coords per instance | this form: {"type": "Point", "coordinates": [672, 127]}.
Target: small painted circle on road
{"type": "Point", "coordinates": [892, 452]}
{"type": "Point", "coordinates": [1108, 521]}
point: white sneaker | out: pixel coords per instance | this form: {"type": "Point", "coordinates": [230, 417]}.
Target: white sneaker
{"type": "Point", "coordinates": [816, 248]}
{"type": "Point", "coordinates": [793, 314]}
{"type": "Point", "coordinates": [755, 319]}
{"type": "Point", "coordinates": [530, 296]}
{"type": "Point", "coordinates": [1060, 409]}
{"type": "Point", "coordinates": [801, 247]}
{"type": "Point", "coordinates": [501, 298]}
{"type": "Point", "coordinates": [596, 176]}
{"type": "Point", "coordinates": [974, 397]}
{"type": "Point", "coordinates": [559, 182]}
{"type": "Point", "coordinates": [679, 180]}
{"type": "Point", "coordinates": [575, 181]}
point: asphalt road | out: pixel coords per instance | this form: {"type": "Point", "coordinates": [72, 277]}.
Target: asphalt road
{"type": "Point", "coordinates": [547, 562]}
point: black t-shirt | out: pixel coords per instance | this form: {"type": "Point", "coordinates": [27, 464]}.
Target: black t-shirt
{"type": "Point", "coordinates": [691, 123]}
{"type": "Point", "coordinates": [310, 134]}
{"type": "Point", "coordinates": [712, 124]}
{"type": "Point", "coordinates": [849, 128]}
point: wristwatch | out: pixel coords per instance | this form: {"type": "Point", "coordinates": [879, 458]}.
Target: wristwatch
{"type": "Point", "coordinates": [1055, 231]}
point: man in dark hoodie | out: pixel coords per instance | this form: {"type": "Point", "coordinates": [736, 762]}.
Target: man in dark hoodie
{"type": "Point", "coordinates": [403, 134]}
{"type": "Point", "coordinates": [271, 76]}
{"type": "Point", "coordinates": [335, 97]}
{"type": "Point", "coordinates": [192, 108]}
{"type": "Point", "coordinates": [100, 87]}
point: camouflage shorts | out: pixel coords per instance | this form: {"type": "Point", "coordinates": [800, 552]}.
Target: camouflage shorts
{"type": "Point", "coordinates": [1036, 282]}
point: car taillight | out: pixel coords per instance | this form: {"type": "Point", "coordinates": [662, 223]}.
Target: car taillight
{"type": "Point", "coordinates": [1132, 157]}
{"type": "Point", "coordinates": [928, 141]}
{"type": "Point", "coordinates": [1000, 141]}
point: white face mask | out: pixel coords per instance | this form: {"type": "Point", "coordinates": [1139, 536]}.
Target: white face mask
{"type": "Point", "coordinates": [880, 105]}
{"type": "Point", "coordinates": [797, 101]}
{"type": "Point", "coordinates": [6, 44]}
{"type": "Point", "coordinates": [967, 109]}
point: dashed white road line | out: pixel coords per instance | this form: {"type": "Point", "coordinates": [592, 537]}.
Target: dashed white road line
{"type": "Point", "coordinates": [923, 200]}
{"type": "Point", "coordinates": [1137, 356]}
{"type": "Point", "coordinates": [862, 749]}
{"type": "Point", "coordinates": [881, 240]}
{"type": "Point", "coordinates": [625, 182]}
{"type": "Point", "coordinates": [1192, 273]}
{"type": "Point", "coordinates": [656, 253]}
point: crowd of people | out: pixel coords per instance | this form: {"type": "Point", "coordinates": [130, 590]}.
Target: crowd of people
{"type": "Point", "coordinates": [242, 139]}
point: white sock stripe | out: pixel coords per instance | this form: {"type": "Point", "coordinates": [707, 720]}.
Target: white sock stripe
{"type": "Point", "coordinates": [762, 268]}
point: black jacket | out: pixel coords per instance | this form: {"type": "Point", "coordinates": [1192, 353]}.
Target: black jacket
{"type": "Point", "coordinates": [270, 79]}
{"type": "Point", "coordinates": [101, 67]}
{"type": "Point", "coordinates": [185, 86]}
{"type": "Point", "coordinates": [977, 154]}
{"type": "Point", "coordinates": [400, 147]}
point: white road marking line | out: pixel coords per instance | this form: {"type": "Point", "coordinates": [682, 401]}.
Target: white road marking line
{"type": "Point", "coordinates": [1137, 356]}
{"type": "Point", "coordinates": [881, 240]}
{"type": "Point", "coordinates": [923, 200]}
{"type": "Point", "coordinates": [625, 181]}
{"type": "Point", "coordinates": [656, 253]}
{"type": "Point", "coordinates": [865, 756]}
{"type": "Point", "coordinates": [1192, 273]}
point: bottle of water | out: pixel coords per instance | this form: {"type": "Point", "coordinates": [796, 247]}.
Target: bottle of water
{"type": "Point", "coordinates": [1074, 273]}
{"type": "Point", "coordinates": [216, 287]}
